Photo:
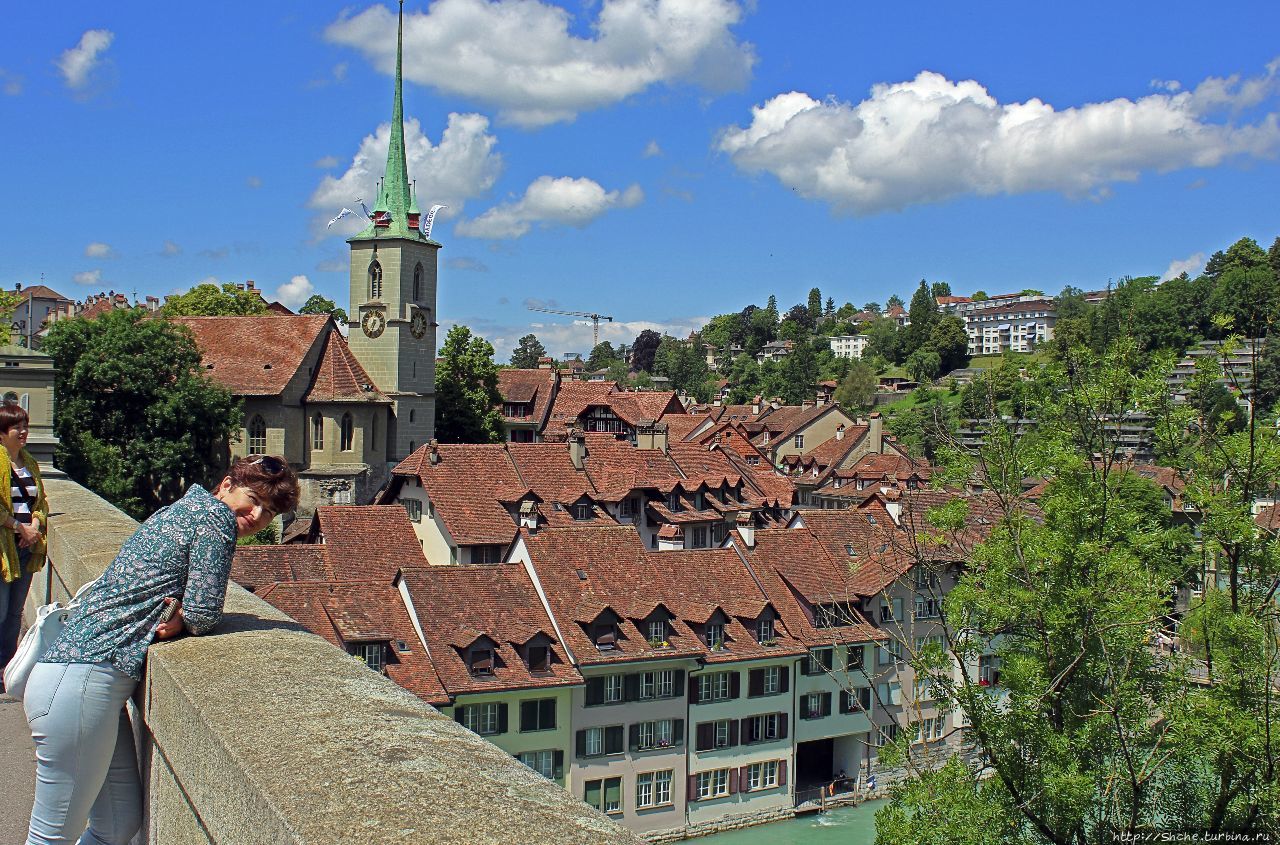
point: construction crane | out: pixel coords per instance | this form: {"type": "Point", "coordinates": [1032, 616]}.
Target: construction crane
{"type": "Point", "coordinates": [594, 318]}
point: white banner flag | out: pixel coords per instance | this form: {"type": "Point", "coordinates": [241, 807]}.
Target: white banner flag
{"type": "Point", "coordinates": [429, 219]}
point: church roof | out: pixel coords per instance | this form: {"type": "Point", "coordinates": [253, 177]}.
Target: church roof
{"type": "Point", "coordinates": [339, 376]}
{"type": "Point", "coordinates": [254, 356]}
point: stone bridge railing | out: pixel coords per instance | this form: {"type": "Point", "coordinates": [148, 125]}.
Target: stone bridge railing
{"type": "Point", "coordinates": [264, 733]}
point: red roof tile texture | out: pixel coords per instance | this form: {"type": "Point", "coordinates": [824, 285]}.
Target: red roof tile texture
{"type": "Point", "coordinates": [532, 386]}
{"type": "Point", "coordinates": [255, 356]}
{"type": "Point", "coordinates": [465, 486]}
{"type": "Point", "coordinates": [339, 377]}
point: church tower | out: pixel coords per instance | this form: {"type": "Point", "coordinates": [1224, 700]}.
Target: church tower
{"type": "Point", "coordinates": [392, 314]}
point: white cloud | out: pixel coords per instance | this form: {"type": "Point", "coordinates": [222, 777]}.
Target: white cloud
{"type": "Point", "coordinates": [79, 62]}
{"type": "Point", "coordinates": [99, 250]}
{"type": "Point", "coordinates": [461, 167]}
{"type": "Point", "coordinates": [295, 292]}
{"type": "Point", "coordinates": [576, 335]}
{"type": "Point", "coordinates": [88, 277]}
{"type": "Point", "coordinates": [463, 262]}
{"type": "Point", "coordinates": [651, 150]}
{"type": "Point", "coordinates": [253, 182]}
{"type": "Point", "coordinates": [170, 249]}
{"type": "Point", "coordinates": [548, 200]}
{"type": "Point", "coordinates": [1191, 265]}
{"type": "Point", "coordinates": [932, 139]}
{"type": "Point", "coordinates": [520, 54]}
{"type": "Point", "coordinates": [326, 162]}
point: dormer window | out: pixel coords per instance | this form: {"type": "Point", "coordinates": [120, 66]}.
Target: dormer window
{"type": "Point", "coordinates": [657, 631]}
{"type": "Point", "coordinates": [480, 661]}
{"type": "Point", "coordinates": [765, 633]}
{"type": "Point", "coordinates": [538, 657]}
{"type": "Point", "coordinates": [605, 636]}
{"type": "Point", "coordinates": [582, 510]}
{"type": "Point", "coordinates": [373, 654]}
{"type": "Point", "coordinates": [673, 502]}
{"type": "Point", "coordinates": [714, 635]}
{"type": "Point", "coordinates": [699, 501]}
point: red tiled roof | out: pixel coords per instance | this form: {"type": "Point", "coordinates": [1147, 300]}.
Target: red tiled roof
{"type": "Point", "coordinates": [616, 468]}
{"type": "Point", "coordinates": [830, 452]}
{"type": "Point", "coordinates": [347, 612]}
{"type": "Point", "coordinates": [38, 292]}
{"type": "Point", "coordinates": [458, 604]}
{"type": "Point", "coordinates": [255, 356]}
{"type": "Point", "coordinates": [1268, 518]}
{"type": "Point", "coordinates": [619, 574]}
{"type": "Point", "coordinates": [256, 567]}
{"type": "Point", "coordinates": [882, 465]}
{"type": "Point", "coordinates": [785, 421]}
{"type": "Point", "coordinates": [368, 541]}
{"type": "Point", "coordinates": [339, 377]}
{"type": "Point", "coordinates": [534, 386]}
{"type": "Point", "coordinates": [464, 486]}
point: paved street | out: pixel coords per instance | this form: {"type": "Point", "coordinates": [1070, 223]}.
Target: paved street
{"type": "Point", "coordinates": [17, 761]}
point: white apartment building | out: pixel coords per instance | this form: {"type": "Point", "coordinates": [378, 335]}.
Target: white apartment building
{"type": "Point", "coordinates": [849, 345]}
{"type": "Point", "coordinates": [1012, 323]}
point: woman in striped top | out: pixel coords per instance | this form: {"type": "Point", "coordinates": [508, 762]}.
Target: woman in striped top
{"type": "Point", "coordinates": [24, 515]}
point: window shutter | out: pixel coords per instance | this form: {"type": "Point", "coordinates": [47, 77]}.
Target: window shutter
{"type": "Point", "coordinates": [591, 794]}
{"type": "Point", "coordinates": [678, 683]}
{"type": "Point", "coordinates": [528, 715]}
{"type": "Point", "coordinates": [693, 689]}
{"type": "Point", "coordinates": [705, 736]}
{"type": "Point", "coordinates": [784, 678]}
{"type": "Point", "coordinates": [733, 781]}
{"type": "Point", "coordinates": [897, 610]}
{"type": "Point", "coordinates": [594, 693]}
{"type": "Point", "coordinates": [557, 770]}
{"type": "Point", "coordinates": [631, 687]}
{"type": "Point", "coordinates": [846, 701]}
{"type": "Point", "coordinates": [633, 736]}
{"type": "Point", "coordinates": [613, 739]}
{"type": "Point", "coordinates": [733, 732]}
{"type": "Point", "coordinates": [826, 704]}
{"type": "Point", "coordinates": [782, 773]}
{"type": "Point", "coordinates": [581, 743]}
{"type": "Point", "coordinates": [744, 778]}
{"type": "Point", "coordinates": [502, 718]}
{"type": "Point", "coordinates": [677, 732]}
{"type": "Point", "coordinates": [755, 682]}
{"type": "Point", "coordinates": [864, 698]}
{"type": "Point", "coordinates": [735, 685]}
{"type": "Point", "coordinates": [460, 714]}
{"type": "Point", "coordinates": [693, 788]}
{"type": "Point", "coordinates": [806, 665]}
{"type": "Point", "coordinates": [782, 726]}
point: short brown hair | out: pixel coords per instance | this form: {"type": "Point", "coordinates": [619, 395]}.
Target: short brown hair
{"type": "Point", "coordinates": [11, 414]}
{"type": "Point", "coordinates": [270, 477]}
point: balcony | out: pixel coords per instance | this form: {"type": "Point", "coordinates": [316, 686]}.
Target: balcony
{"type": "Point", "coordinates": [261, 732]}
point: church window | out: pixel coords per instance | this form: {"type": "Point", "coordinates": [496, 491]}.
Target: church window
{"type": "Point", "coordinates": [417, 283]}
{"type": "Point", "coordinates": [375, 280]}
{"type": "Point", "coordinates": [348, 432]}
{"type": "Point", "coordinates": [257, 435]}
{"type": "Point", "coordinates": [317, 432]}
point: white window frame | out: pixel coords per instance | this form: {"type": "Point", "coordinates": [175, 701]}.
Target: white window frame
{"type": "Point", "coordinates": [772, 680]}
{"type": "Point", "coordinates": [713, 784]}
{"type": "Point", "coordinates": [648, 686]}
{"type": "Point", "coordinates": [662, 787]}
{"type": "Point", "coordinates": [612, 689]}
{"type": "Point", "coordinates": [481, 719]}
{"type": "Point", "coordinates": [644, 789]}
{"type": "Point", "coordinates": [593, 746]}
{"type": "Point", "coordinates": [542, 762]}
{"type": "Point", "coordinates": [720, 736]}
{"type": "Point", "coordinates": [765, 631]}
{"type": "Point", "coordinates": [762, 775]}
{"type": "Point", "coordinates": [665, 682]}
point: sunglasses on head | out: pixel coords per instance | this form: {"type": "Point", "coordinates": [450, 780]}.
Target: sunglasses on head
{"type": "Point", "coordinates": [271, 464]}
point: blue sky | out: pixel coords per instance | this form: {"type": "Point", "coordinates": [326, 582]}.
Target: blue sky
{"type": "Point", "coordinates": [660, 161]}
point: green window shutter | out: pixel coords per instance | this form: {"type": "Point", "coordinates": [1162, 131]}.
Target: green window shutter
{"type": "Point", "coordinates": [557, 764]}
{"type": "Point", "coordinates": [613, 739]}
{"type": "Point", "coordinates": [594, 692]}
{"type": "Point", "coordinates": [677, 732]}
{"type": "Point", "coordinates": [613, 792]}
{"type": "Point", "coordinates": [581, 743]}
{"type": "Point", "coordinates": [785, 679]}
{"type": "Point", "coordinates": [547, 714]}
{"type": "Point", "coordinates": [460, 714]}
{"type": "Point", "coordinates": [631, 687]}
{"type": "Point", "coordinates": [502, 718]}
{"type": "Point", "coordinates": [591, 794]}
{"type": "Point", "coordinates": [528, 715]}
{"type": "Point", "coordinates": [678, 683]}
{"type": "Point", "coordinates": [633, 736]}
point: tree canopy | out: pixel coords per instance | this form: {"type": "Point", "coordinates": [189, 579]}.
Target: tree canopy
{"type": "Point", "coordinates": [138, 420]}
{"type": "Point", "coordinates": [210, 300]}
{"type": "Point", "coordinates": [527, 353]}
{"type": "Point", "coordinates": [467, 398]}
{"type": "Point", "coordinates": [318, 304]}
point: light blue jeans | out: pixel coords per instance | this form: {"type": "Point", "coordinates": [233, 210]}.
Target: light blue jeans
{"type": "Point", "coordinates": [86, 766]}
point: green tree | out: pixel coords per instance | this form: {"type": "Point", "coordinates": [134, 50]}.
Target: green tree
{"type": "Point", "coordinates": [601, 356]}
{"type": "Point", "coordinates": [1249, 296]}
{"type": "Point", "coordinates": [924, 365]}
{"type": "Point", "coordinates": [940, 289]}
{"type": "Point", "coordinates": [884, 339]}
{"type": "Point", "coordinates": [138, 419]}
{"type": "Point", "coordinates": [979, 296]}
{"type": "Point", "coordinates": [527, 353]}
{"type": "Point", "coordinates": [829, 311]}
{"type": "Point", "coordinates": [467, 398]}
{"type": "Point", "coordinates": [798, 374]}
{"type": "Point", "coordinates": [858, 389]}
{"type": "Point", "coordinates": [815, 306]}
{"type": "Point", "coordinates": [318, 304]}
{"type": "Point", "coordinates": [209, 300]}
{"type": "Point", "coordinates": [873, 307]}
{"type": "Point", "coordinates": [894, 301]}
{"type": "Point", "coordinates": [772, 308]}
{"type": "Point", "coordinates": [9, 302]}
{"type": "Point", "coordinates": [644, 350]}
{"type": "Point", "coordinates": [950, 341]}
{"type": "Point", "coordinates": [923, 314]}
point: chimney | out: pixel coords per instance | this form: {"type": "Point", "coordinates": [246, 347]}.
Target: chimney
{"type": "Point", "coordinates": [17, 288]}
{"type": "Point", "coordinates": [577, 449]}
{"type": "Point", "coordinates": [747, 528]}
{"type": "Point", "coordinates": [775, 403]}
{"type": "Point", "coordinates": [434, 446]}
{"type": "Point", "coordinates": [875, 436]}
{"type": "Point", "coordinates": [249, 284]}
{"type": "Point", "coordinates": [840, 432]}
{"type": "Point", "coordinates": [755, 407]}
{"type": "Point", "coordinates": [893, 504]}
{"type": "Point", "coordinates": [652, 435]}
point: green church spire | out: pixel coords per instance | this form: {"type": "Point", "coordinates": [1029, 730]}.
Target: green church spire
{"type": "Point", "coordinates": [395, 197]}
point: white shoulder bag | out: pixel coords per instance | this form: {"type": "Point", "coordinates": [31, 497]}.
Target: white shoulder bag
{"type": "Point", "coordinates": [50, 620]}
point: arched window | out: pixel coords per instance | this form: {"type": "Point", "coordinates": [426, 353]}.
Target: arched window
{"type": "Point", "coordinates": [348, 432]}
{"type": "Point", "coordinates": [375, 280]}
{"type": "Point", "coordinates": [317, 432]}
{"type": "Point", "coordinates": [412, 448]}
{"type": "Point", "coordinates": [417, 283]}
{"type": "Point", "coordinates": [257, 435]}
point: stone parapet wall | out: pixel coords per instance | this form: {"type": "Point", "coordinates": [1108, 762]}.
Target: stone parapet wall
{"type": "Point", "coordinates": [263, 733]}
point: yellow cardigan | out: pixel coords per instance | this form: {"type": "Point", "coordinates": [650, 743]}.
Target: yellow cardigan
{"type": "Point", "coordinates": [9, 568]}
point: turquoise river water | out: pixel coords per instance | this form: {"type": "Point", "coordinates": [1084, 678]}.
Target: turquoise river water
{"type": "Point", "coordinates": [850, 826]}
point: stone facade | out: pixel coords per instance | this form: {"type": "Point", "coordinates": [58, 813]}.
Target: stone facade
{"type": "Point", "coordinates": [27, 376]}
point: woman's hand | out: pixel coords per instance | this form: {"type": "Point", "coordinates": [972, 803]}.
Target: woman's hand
{"type": "Point", "coordinates": [171, 629]}
{"type": "Point", "coordinates": [28, 535]}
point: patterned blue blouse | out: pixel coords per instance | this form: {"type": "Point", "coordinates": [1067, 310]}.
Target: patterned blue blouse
{"type": "Point", "coordinates": [183, 550]}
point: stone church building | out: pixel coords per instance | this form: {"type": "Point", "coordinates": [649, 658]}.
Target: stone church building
{"type": "Point", "coordinates": [343, 410]}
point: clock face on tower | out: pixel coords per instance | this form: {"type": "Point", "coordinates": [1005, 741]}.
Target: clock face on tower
{"type": "Point", "coordinates": [373, 323]}
{"type": "Point", "coordinates": [418, 326]}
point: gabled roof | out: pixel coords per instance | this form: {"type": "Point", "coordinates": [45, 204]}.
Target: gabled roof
{"type": "Point", "coordinates": [465, 485]}
{"type": "Point", "coordinates": [575, 397]}
{"type": "Point", "coordinates": [458, 604]}
{"type": "Point", "coordinates": [339, 377]}
{"type": "Point", "coordinates": [255, 356]}
{"type": "Point", "coordinates": [583, 571]}
{"type": "Point", "coordinates": [257, 567]}
{"type": "Point", "coordinates": [830, 452]}
{"type": "Point", "coordinates": [38, 292]}
{"type": "Point", "coordinates": [616, 467]}
{"type": "Point", "coordinates": [533, 386]}
{"type": "Point", "coordinates": [1268, 518]}
{"type": "Point", "coordinates": [785, 421]}
{"type": "Point", "coordinates": [347, 612]}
